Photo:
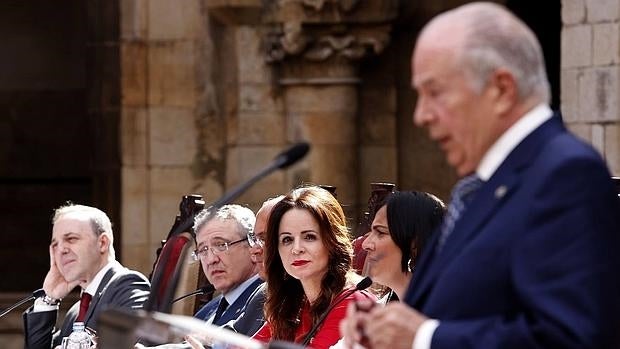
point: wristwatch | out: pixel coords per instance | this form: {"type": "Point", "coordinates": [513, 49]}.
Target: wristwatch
{"type": "Point", "coordinates": [49, 300]}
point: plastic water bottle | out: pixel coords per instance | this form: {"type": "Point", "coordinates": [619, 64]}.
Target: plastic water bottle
{"type": "Point", "coordinates": [78, 339]}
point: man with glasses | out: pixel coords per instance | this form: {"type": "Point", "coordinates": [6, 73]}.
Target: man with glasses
{"type": "Point", "coordinates": [223, 241]}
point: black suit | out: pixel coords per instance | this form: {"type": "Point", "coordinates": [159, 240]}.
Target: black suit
{"type": "Point", "coordinates": [253, 317]}
{"type": "Point", "coordinates": [119, 288]}
{"type": "Point", "coordinates": [533, 262]}
{"type": "Point", "coordinates": [233, 311]}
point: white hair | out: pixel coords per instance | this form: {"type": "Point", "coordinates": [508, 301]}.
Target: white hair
{"type": "Point", "coordinates": [495, 38]}
{"type": "Point", "coordinates": [243, 216]}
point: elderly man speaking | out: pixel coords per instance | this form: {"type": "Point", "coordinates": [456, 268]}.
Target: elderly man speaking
{"type": "Point", "coordinates": [527, 256]}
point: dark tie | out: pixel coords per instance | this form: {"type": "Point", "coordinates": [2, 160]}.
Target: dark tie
{"type": "Point", "coordinates": [84, 303]}
{"type": "Point", "coordinates": [462, 194]}
{"type": "Point", "coordinates": [220, 309]}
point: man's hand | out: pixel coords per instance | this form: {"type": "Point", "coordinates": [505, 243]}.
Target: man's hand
{"type": "Point", "coordinates": [393, 326]}
{"type": "Point", "coordinates": [55, 285]}
{"type": "Point", "coordinates": [352, 327]}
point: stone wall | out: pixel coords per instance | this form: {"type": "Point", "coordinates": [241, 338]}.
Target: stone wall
{"type": "Point", "coordinates": [591, 75]}
{"type": "Point", "coordinates": [200, 114]}
{"type": "Point", "coordinates": [256, 124]}
{"type": "Point", "coordinates": [169, 118]}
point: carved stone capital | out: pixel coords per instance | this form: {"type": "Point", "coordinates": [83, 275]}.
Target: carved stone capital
{"type": "Point", "coordinates": [298, 32]}
{"type": "Point", "coordinates": [320, 45]}
{"type": "Point", "coordinates": [317, 30]}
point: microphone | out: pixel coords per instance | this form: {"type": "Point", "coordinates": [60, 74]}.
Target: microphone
{"type": "Point", "coordinates": [283, 160]}
{"type": "Point", "coordinates": [203, 290]}
{"type": "Point", "coordinates": [362, 285]}
{"type": "Point", "coordinates": [291, 155]}
{"type": "Point", "coordinates": [36, 294]}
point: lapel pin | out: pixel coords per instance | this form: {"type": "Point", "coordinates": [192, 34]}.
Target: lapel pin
{"type": "Point", "coordinates": [500, 191]}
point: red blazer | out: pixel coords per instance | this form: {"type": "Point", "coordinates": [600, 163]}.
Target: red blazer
{"type": "Point", "coordinates": [329, 332]}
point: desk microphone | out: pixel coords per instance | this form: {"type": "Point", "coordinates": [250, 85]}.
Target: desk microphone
{"type": "Point", "coordinates": [202, 290]}
{"type": "Point", "coordinates": [36, 294]}
{"type": "Point", "coordinates": [362, 285]}
{"type": "Point", "coordinates": [283, 160]}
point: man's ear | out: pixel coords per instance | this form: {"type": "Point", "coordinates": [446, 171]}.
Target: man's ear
{"type": "Point", "coordinates": [504, 91]}
{"type": "Point", "coordinates": [103, 243]}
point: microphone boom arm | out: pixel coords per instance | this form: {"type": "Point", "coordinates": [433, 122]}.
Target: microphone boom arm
{"type": "Point", "coordinates": [36, 294]}
{"type": "Point", "coordinates": [283, 160]}
{"type": "Point", "coordinates": [236, 191]}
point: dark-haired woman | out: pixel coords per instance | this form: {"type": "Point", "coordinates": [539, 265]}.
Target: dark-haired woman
{"type": "Point", "coordinates": [308, 267]}
{"type": "Point", "coordinates": [399, 232]}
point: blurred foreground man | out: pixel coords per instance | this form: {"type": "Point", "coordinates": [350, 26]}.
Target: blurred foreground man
{"type": "Point", "coordinates": [81, 254]}
{"type": "Point", "coordinates": [527, 256]}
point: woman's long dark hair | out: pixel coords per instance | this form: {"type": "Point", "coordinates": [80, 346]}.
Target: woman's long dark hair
{"type": "Point", "coordinates": [285, 295]}
{"type": "Point", "coordinates": [412, 216]}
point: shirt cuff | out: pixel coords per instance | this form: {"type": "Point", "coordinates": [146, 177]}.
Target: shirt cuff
{"type": "Point", "coordinates": [39, 306]}
{"type": "Point", "coordinates": [424, 335]}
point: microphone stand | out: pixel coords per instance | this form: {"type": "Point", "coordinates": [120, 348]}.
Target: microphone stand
{"type": "Point", "coordinates": [36, 294]}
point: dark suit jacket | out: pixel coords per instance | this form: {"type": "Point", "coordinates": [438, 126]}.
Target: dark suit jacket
{"type": "Point", "coordinates": [233, 311]}
{"type": "Point", "coordinates": [533, 262]}
{"type": "Point", "coordinates": [119, 288]}
{"type": "Point", "coordinates": [253, 317]}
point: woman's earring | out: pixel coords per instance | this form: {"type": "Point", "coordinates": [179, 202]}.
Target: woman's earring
{"type": "Point", "coordinates": [410, 265]}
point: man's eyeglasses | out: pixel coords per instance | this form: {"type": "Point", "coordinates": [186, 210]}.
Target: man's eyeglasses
{"type": "Point", "coordinates": [217, 248]}
{"type": "Point", "coordinates": [255, 241]}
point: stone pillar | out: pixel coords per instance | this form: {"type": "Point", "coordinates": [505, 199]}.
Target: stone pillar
{"type": "Point", "coordinates": [321, 108]}
{"type": "Point", "coordinates": [316, 47]}
{"type": "Point", "coordinates": [591, 74]}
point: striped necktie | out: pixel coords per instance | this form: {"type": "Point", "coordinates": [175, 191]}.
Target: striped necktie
{"type": "Point", "coordinates": [462, 194]}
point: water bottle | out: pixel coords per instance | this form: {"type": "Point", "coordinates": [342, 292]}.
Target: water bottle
{"type": "Point", "coordinates": [78, 339]}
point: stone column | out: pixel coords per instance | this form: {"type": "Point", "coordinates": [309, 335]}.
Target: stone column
{"type": "Point", "coordinates": [591, 74]}
{"type": "Point", "coordinates": [321, 102]}
{"type": "Point", "coordinates": [315, 47]}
